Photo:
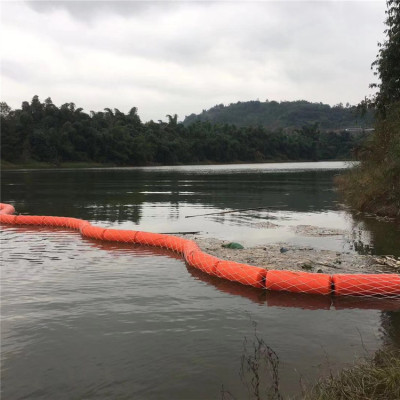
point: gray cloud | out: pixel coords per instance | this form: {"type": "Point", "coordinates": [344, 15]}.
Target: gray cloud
{"type": "Point", "coordinates": [87, 10]}
{"type": "Point", "coordinates": [182, 57]}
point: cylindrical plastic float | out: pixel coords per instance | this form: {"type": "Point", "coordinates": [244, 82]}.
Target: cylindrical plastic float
{"type": "Point", "coordinates": [6, 209]}
{"type": "Point", "coordinates": [118, 235]}
{"type": "Point", "coordinates": [298, 282]}
{"type": "Point", "coordinates": [7, 219]}
{"type": "Point", "coordinates": [366, 284]}
{"type": "Point", "coordinates": [93, 232]}
{"type": "Point", "coordinates": [242, 273]}
{"type": "Point", "coordinates": [203, 261]}
{"type": "Point", "coordinates": [29, 220]}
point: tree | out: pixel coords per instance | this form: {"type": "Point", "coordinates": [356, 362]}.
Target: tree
{"type": "Point", "coordinates": [374, 186]}
{"type": "Point", "coordinates": [49, 106]}
{"type": "Point", "coordinates": [36, 108]}
{"type": "Point", "coordinates": [172, 120]}
{"type": "Point", "coordinates": [387, 63]}
{"type": "Point", "coordinates": [134, 118]}
{"type": "Point", "coordinates": [5, 109]}
{"type": "Point", "coordinates": [312, 134]}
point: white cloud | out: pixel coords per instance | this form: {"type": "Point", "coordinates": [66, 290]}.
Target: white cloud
{"type": "Point", "coordinates": [185, 56]}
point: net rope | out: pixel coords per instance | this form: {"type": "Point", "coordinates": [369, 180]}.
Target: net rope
{"type": "Point", "coordinates": [385, 285]}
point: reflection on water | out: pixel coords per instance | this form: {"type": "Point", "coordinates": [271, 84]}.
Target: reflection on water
{"type": "Point", "coordinates": [374, 236]}
{"type": "Point", "coordinates": [160, 199]}
{"type": "Point", "coordinates": [95, 320]}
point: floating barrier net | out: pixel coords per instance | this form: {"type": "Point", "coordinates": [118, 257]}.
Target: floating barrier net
{"type": "Point", "coordinates": [378, 285]}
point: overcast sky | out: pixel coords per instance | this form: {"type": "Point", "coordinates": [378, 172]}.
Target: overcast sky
{"type": "Point", "coordinates": [183, 57]}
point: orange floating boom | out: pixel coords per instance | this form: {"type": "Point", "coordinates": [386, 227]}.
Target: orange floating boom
{"type": "Point", "coordinates": [275, 280]}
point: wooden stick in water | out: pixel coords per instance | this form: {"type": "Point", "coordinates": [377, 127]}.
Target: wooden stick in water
{"type": "Point", "coordinates": [180, 233]}
{"type": "Point", "coordinates": [232, 211]}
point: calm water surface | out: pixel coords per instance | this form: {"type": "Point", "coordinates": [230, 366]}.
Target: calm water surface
{"type": "Point", "coordinates": [82, 319]}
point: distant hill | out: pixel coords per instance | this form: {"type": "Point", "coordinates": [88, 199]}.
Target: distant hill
{"type": "Point", "coordinates": [41, 132]}
{"type": "Point", "coordinates": [287, 115]}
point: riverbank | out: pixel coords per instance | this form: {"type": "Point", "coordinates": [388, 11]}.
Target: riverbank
{"type": "Point", "coordinates": [377, 378]}
{"type": "Point", "coordinates": [5, 165]}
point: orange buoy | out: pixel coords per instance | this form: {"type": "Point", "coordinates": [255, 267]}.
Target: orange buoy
{"type": "Point", "coordinates": [242, 273]}
{"type": "Point", "coordinates": [298, 282]}
{"type": "Point", "coordinates": [75, 223]}
{"type": "Point", "coordinates": [203, 261]}
{"type": "Point", "coordinates": [56, 221]}
{"type": "Point", "coordinates": [366, 284]}
{"type": "Point", "coordinates": [160, 240]}
{"type": "Point", "coordinates": [7, 219]}
{"type": "Point", "coordinates": [29, 220]}
{"type": "Point", "coordinates": [119, 235]}
{"type": "Point", "coordinates": [189, 247]}
{"type": "Point", "coordinates": [90, 231]}
{"type": "Point", "coordinates": [6, 208]}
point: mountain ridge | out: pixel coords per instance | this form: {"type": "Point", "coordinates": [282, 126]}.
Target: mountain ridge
{"type": "Point", "coordinates": [286, 115]}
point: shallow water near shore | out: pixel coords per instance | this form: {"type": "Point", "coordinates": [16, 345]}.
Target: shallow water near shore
{"type": "Point", "coordinates": [86, 319]}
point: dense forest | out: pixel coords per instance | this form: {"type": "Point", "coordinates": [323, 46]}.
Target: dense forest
{"type": "Point", "coordinates": [287, 115]}
{"type": "Point", "coordinates": [42, 132]}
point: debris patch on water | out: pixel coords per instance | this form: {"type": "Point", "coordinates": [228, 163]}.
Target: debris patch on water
{"type": "Point", "coordinates": [316, 231]}
{"type": "Point", "coordinates": [299, 258]}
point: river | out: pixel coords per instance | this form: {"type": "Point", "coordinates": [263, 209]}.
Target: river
{"type": "Point", "coordinates": [85, 319]}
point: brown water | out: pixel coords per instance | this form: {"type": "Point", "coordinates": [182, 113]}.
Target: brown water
{"type": "Point", "coordinates": [90, 320]}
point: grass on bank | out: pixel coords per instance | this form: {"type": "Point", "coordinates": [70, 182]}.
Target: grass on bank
{"type": "Point", "coordinates": [375, 379]}
{"type": "Point", "coordinates": [374, 185]}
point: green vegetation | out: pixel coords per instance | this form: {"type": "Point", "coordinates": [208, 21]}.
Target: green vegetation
{"type": "Point", "coordinates": [374, 186]}
{"type": "Point", "coordinates": [287, 115]}
{"type": "Point", "coordinates": [42, 134]}
{"type": "Point", "coordinates": [375, 379]}
{"type": "Point", "coordinates": [43, 165]}
{"type": "Point", "coordinates": [387, 63]}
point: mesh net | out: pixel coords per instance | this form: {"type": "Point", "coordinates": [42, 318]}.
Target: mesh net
{"type": "Point", "coordinates": [338, 285]}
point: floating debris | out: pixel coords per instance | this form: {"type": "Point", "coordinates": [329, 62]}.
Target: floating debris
{"type": "Point", "coordinates": [389, 261]}
{"type": "Point", "coordinates": [265, 225]}
{"type": "Point", "coordinates": [310, 230]}
{"type": "Point", "coordinates": [269, 256]}
{"type": "Point", "coordinates": [233, 245]}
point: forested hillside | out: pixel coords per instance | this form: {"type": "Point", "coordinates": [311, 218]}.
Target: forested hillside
{"type": "Point", "coordinates": [43, 132]}
{"type": "Point", "coordinates": [288, 115]}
